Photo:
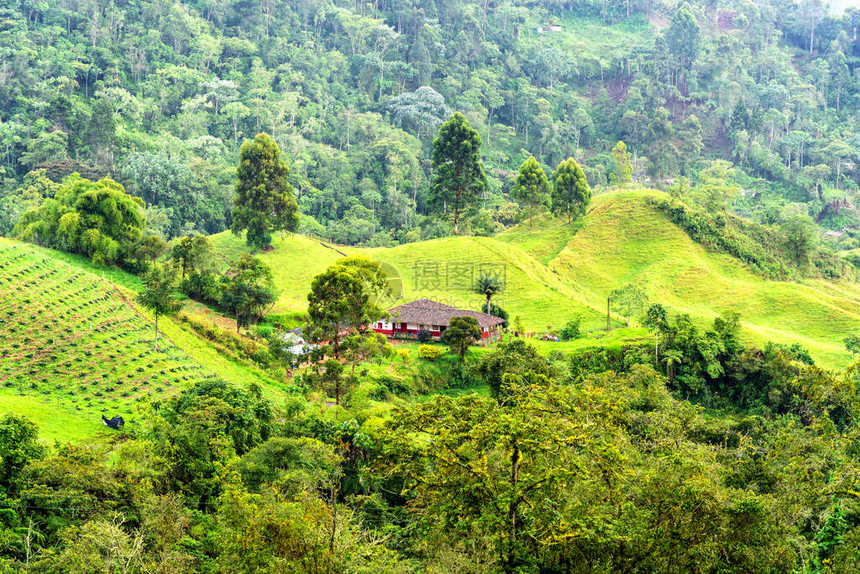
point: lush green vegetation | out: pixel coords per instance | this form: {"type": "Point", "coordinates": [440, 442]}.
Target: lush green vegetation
{"type": "Point", "coordinates": [557, 272]}
{"type": "Point", "coordinates": [161, 98]}
{"type": "Point", "coordinates": [677, 386]}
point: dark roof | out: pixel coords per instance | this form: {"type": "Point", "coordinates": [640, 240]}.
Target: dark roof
{"type": "Point", "coordinates": [427, 312]}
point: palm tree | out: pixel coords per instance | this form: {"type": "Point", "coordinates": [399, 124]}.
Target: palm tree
{"type": "Point", "coordinates": [488, 285]}
{"type": "Point", "coordinates": [672, 357]}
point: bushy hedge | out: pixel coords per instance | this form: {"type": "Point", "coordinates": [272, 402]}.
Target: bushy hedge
{"type": "Point", "coordinates": [236, 345]}
{"type": "Point", "coordinates": [429, 352]}
{"type": "Point", "coordinates": [760, 247]}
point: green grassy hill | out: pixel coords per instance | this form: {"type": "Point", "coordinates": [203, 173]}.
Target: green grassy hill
{"type": "Point", "coordinates": [559, 270]}
{"type": "Point", "coordinates": [74, 346]}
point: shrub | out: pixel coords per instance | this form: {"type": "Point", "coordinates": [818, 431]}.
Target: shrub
{"type": "Point", "coordinates": [424, 336]}
{"type": "Point", "coordinates": [378, 393]}
{"type": "Point", "coordinates": [571, 330]}
{"type": "Point", "coordinates": [202, 287]}
{"type": "Point", "coordinates": [496, 311]}
{"type": "Point", "coordinates": [429, 352]}
{"type": "Point", "coordinates": [264, 330]}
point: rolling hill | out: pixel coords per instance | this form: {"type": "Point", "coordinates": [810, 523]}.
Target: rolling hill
{"type": "Point", "coordinates": [559, 270]}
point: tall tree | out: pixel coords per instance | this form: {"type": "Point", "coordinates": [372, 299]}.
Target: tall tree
{"type": "Point", "coordinates": [628, 300]}
{"type": "Point", "coordinates": [570, 193]}
{"type": "Point", "coordinates": [264, 197]}
{"type": "Point", "coordinates": [250, 291]}
{"type": "Point", "coordinates": [532, 187]}
{"type": "Point", "coordinates": [458, 172]}
{"type": "Point", "coordinates": [488, 285]}
{"type": "Point", "coordinates": [622, 172]}
{"type": "Point", "coordinates": [333, 376]}
{"type": "Point", "coordinates": [340, 300]}
{"type": "Point", "coordinates": [684, 38]}
{"type": "Point", "coordinates": [194, 254]}
{"type": "Point", "coordinates": [801, 239]}
{"type": "Point", "coordinates": [157, 294]}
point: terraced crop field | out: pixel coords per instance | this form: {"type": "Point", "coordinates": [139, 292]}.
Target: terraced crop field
{"type": "Point", "coordinates": [69, 339]}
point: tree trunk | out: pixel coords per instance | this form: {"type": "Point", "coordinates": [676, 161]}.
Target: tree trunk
{"type": "Point", "coordinates": [333, 517]}
{"type": "Point", "coordinates": [607, 314]}
{"type": "Point", "coordinates": [456, 221]}
{"type": "Point", "coordinates": [489, 296]}
{"type": "Point", "coordinates": [656, 347]}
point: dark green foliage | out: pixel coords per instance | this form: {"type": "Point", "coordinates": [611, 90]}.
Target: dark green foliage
{"type": "Point", "coordinates": [759, 246]}
{"type": "Point", "coordinates": [510, 362]}
{"type": "Point", "coordinates": [264, 196]}
{"type": "Point", "coordinates": [96, 219]}
{"type": "Point", "coordinates": [19, 444]}
{"type": "Point", "coordinates": [531, 188]}
{"type": "Point", "coordinates": [163, 102]}
{"type": "Point", "coordinates": [458, 172]}
{"type": "Point", "coordinates": [249, 290]}
{"type": "Point", "coordinates": [497, 311]}
{"type": "Point", "coordinates": [460, 334]}
{"type": "Point", "coordinates": [194, 254]}
{"type": "Point", "coordinates": [801, 239]}
{"type": "Point", "coordinates": [570, 193]}
{"type": "Point", "coordinates": [571, 329]}
{"type": "Point", "coordinates": [333, 376]}
{"type": "Point", "coordinates": [171, 185]}
{"type": "Point", "coordinates": [340, 299]}
{"type": "Point", "coordinates": [204, 287]}
{"type": "Point", "coordinates": [852, 343]}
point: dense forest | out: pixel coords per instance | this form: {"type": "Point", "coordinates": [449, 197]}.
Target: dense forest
{"type": "Point", "coordinates": [758, 97]}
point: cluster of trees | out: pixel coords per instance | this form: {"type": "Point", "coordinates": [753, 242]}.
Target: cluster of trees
{"type": "Point", "coordinates": [459, 179]}
{"type": "Point", "coordinates": [586, 463]}
{"type": "Point", "coordinates": [160, 98]}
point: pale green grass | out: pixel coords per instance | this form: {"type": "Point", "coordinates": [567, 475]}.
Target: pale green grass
{"type": "Point", "coordinates": [587, 38]}
{"type": "Point", "coordinates": [624, 240]}
{"type": "Point", "coordinates": [294, 262]}
{"type": "Point", "coordinates": [55, 422]}
{"type": "Point", "coordinates": [548, 237]}
{"type": "Point", "coordinates": [560, 270]}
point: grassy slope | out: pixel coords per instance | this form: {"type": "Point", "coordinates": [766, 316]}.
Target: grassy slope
{"type": "Point", "coordinates": [560, 270]}
{"type": "Point", "coordinates": [73, 347]}
{"type": "Point", "coordinates": [624, 240]}
{"type": "Point", "coordinates": [533, 291]}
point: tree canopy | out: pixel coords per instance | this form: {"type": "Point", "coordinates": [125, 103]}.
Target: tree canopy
{"type": "Point", "coordinates": [264, 196]}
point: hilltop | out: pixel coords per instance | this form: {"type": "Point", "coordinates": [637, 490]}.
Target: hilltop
{"type": "Point", "coordinates": [560, 270]}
